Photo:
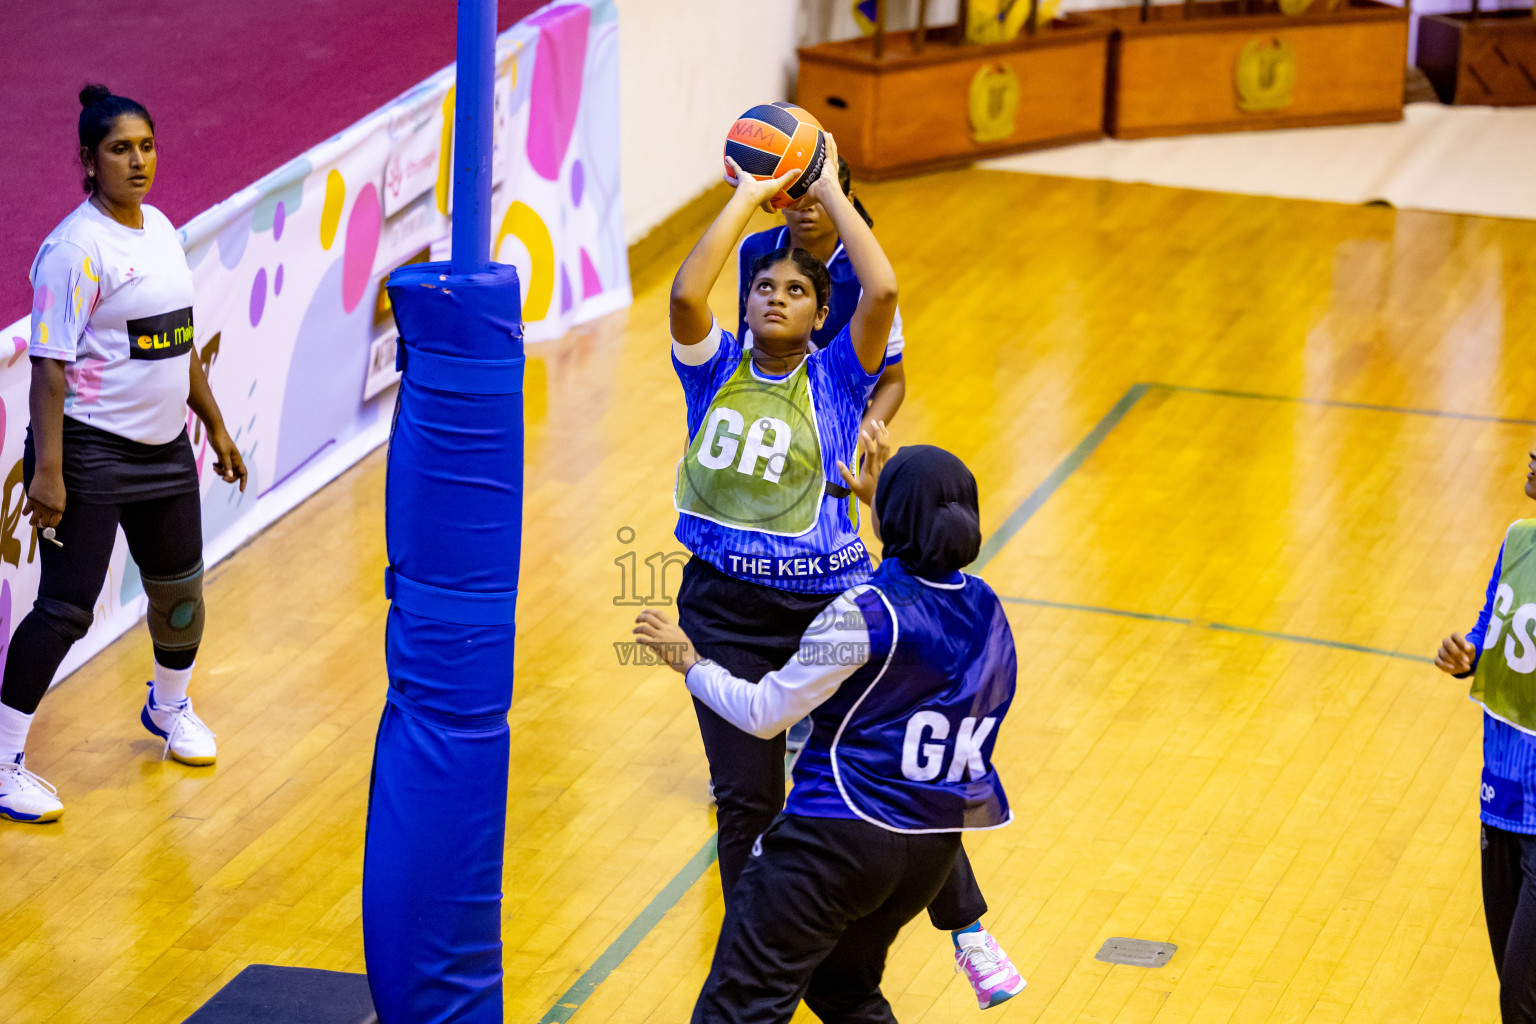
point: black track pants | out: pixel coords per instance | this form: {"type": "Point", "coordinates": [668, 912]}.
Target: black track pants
{"type": "Point", "coordinates": [1509, 904]}
{"type": "Point", "coordinates": [813, 917]}
{"type": "Point", "coordinates": [165, 537]}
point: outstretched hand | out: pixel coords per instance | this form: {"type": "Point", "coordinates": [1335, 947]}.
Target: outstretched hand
{"type": "Point", "coordinates": [667, 639]}
{"type": "Point", "coordinates": [759, 192]}
{"type": "Point", "coordinates": [875, 451]}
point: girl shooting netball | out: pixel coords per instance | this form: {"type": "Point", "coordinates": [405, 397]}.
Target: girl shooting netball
{"type": "Point", "coordinates": [764, 494]}
{"type": "Point", "coordinates": [771, 530]}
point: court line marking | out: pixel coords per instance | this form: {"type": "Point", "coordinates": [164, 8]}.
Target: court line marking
{"type": "Point", "coordinates": [1051, 484]}
{"type": "Point", "coordinates": [1295, 638]}
{"type": "Point", "coordinates": [635, 932]}
{"type": "Point", "coordinates": [1095, 437]}
{"type": "Point", "coordinates": [1334, 403]}
{"type": "Point", "coordinates": [567, 1005]}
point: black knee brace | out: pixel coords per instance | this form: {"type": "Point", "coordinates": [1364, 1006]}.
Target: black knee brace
{"type": "Point", "coordinates": [69, 621]}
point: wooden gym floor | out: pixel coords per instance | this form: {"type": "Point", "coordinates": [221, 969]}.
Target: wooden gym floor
{"type": "Point", "coordinates": [1243, 462]}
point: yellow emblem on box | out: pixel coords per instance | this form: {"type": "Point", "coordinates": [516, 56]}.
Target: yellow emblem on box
{"type": "Point", "coordinates": [998, 21]}
{"type": "Point", "coordinates": [994, 103]}
{"type": "Point", "coordinates": [1266, 74]}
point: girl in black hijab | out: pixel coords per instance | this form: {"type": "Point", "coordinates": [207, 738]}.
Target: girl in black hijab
{"type": "Point", "coordinates": [926, 512]}
{"type": "Point", "coordinates": [907, 678]}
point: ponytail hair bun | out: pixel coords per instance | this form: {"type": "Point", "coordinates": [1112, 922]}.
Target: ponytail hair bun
{"type": "Point", "coordinates": [94, 94]}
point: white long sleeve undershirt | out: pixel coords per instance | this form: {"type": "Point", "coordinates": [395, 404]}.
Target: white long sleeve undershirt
{"type": "Point", "coordinates": [834, 647]}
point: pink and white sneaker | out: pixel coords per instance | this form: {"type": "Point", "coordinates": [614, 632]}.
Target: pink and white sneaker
{"type": "Point", "coordinates": [988, 969]}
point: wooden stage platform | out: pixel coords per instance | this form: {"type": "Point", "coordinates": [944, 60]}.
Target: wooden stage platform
{"type": "Point", "coordinates": [1243, 462]}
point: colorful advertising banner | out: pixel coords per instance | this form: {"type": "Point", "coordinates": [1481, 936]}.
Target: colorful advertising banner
{"type": "Point", "coordinates": [291, 319]}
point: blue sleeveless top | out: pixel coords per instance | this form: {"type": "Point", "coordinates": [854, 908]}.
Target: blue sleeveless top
{"type": "Point", "coordinates": [906, 741]}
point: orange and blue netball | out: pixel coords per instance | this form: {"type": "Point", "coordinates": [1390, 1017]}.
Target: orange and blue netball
{"type": "Point", "coordinates": [773, 139]}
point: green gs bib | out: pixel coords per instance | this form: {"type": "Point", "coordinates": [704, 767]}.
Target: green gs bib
{"type": "Point", "coordinates": [1505, 680]}
{"type": "Point", "coordinates": [755, 464]}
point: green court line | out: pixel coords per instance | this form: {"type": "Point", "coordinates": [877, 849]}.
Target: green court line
{"type": "Point", "coordinates": [1295, 638]}
{"type": "Point", "coordinates": [1069, 465]}
{"type": "Point", "coordinates": [1086, 447]}
{"type": "Point", "coordinates": [631, 936]}
{"type": "Point", "coordinates": [1039, 602]}
{"type": "Point", "coordinates": [1333, 403]}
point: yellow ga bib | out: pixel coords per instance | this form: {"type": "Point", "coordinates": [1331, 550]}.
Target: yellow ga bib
{"type": "Point", "coordinates": [1505, 680]}
{"type": "Point", "coordinates": [755, 464]}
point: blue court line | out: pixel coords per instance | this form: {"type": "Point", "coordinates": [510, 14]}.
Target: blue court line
{"type": "Point", "coordinates": [631, 936]}
{"type": "Point", "coordinates": [1223, 627]}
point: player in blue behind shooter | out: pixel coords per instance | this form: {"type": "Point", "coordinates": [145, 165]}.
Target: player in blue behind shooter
{"type": "Point", "coordinates": [772, 533]}
{"type": "Point", "coordinates": [1500, 656]}
{"type": "Point", "coordinates": [907, 687]}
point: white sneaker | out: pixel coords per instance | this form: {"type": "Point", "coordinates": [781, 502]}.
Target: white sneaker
{"type": "Point", "coordinates": [187, 738]}
{"type": "Point", "coordinates": [25, 796]}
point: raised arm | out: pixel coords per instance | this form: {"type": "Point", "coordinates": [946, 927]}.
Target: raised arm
{"type": "Point", "coordinates": [690, 288]}
{"type": "Point", "coordinates": [871, 323]}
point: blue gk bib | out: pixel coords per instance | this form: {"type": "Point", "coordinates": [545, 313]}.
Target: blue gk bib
{"type": "Point", "coordinates": [906, 742]}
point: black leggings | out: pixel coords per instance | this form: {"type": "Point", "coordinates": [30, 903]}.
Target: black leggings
{"type": "Point", "coordinates": [1509, 904]}
{"type": "Point", "coordinates": [719, 614]}
{"type": "Point", "coordinates": [165, 537]}
{"type": "Point", "coordinates": [814, 916]}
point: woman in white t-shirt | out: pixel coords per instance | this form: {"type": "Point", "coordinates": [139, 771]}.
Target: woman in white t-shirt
{"type": "Point", "coordinates": [113, 372]}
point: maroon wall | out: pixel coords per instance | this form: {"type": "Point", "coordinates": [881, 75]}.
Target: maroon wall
{"type": "Point", "coordinates": [236, 90]}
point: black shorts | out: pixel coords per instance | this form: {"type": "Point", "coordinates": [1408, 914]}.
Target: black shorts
{"type": "Point", "coordinates": [718, 610]}
{"type": "Point", "coordinates": [102, 468]}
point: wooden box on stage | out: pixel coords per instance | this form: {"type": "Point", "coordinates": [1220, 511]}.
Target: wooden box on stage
{"type": "Point", "coordinates": [944, 105]}
{"type": "Point", "coordinates": [1487, 58]}
{"type": "Point", "coordinates": [1215, 67]}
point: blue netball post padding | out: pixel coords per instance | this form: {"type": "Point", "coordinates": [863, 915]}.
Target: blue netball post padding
{"type": "Point", "coordinates": [432, 861]}
{"type": "Point", "coordinates": [450, 605]}
{"type": "Point", "coordinates": [471, 376]}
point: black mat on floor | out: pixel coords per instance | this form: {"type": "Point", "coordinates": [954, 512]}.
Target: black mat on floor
{"type": "Point", "coordinates": [263, 994]}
